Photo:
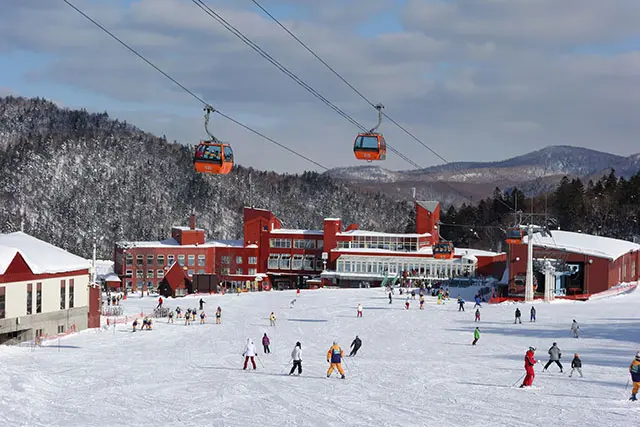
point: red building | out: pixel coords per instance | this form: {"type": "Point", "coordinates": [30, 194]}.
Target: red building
{"type": "Point", "coordinates": [585, 264]}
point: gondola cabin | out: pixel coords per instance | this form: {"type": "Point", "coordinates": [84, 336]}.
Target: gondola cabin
{"type": "Point", "coordinates": [213, 157]}
{"type": "Point", "coordinates": [370, 146]}
{"type": "Point", "coordinates": [514, 236]}
{"type": "Point", "coordinates": [443, 250]}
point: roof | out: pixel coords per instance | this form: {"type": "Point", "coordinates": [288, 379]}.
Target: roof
{"type": "Point", "coordinates": [103, 267]}
{"type": "Point", "coordinates": [430, 205]}
{"type": "Point", "coordinates": [427, 250]}
{"type": "Point", "coordinates": [587, 244]}
{"type": "Point", "coordinates": [173, 242]}
{"type": "Point", "coordinates": [296, 231]}
{"type": "Point", "coordinates": [42, 257]}
{"type": "Point", "coordinates": [380, 234]}
{"type": "Point", "coordinates": [182, 228]}
{"type": "Point", "coordinates": [333, 219]}
{"type": "Point", "coordinates": [111, 277]}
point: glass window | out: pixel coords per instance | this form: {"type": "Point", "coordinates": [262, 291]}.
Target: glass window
{"type": "Point", "coordinates": [150, 259]}
{"type": "Point", "coordinates": [190, 272]}
{"type": "Point", "coordinates": [160, 260]}
{"type": "Point", "coordinates": [29, 298]}
{"type": "Point", "coordinates": [71, 285]}
{"type": "Point", "coordinates": [225, 259]}
{"type": "Point", "coordinates": [129, 259]}
{"type": "Point", "coordinates": [201, 272]}
{"type": "Point", "coordinates": [238, 260]}
{"type": "Point", "coordinates": [273, 261]}
{"type": "Point", "coordinates": [2, 303]}
{"type": "Point", "coordinates": [367, 142]}
{"type": "Point", "coordinates": [285, 262]}
{"type": "Point", "coordinates": [149, 274]}
{"type": "Point", "coordinates": [308, 262]}
{"type": "Point", "coordinates": [319, 244]}
{"type": "Point", "coordinates": [128, 273]}
{"type": "Point", "coordinates": [139, 274]}
{"type": "Point", "coordinates": [139, 259]}
{"type": "Point", "coordinates": [253, 260]}
{"type": "Point", "coordinates": [201, 260]}
{"type": "Point", "coordinates": [239, 271]}
{"type": "Point", "coordinates": [160, 273]}
{"type": "Point", "coordinates": [225, 270]}
{"type": "Point", "coordinates": [228, 154]}
{"type": "Point", "coordinates": [191, 260]}
{"type": "Point", "coordinates": [297, 262]}
{"type": "Point", "coordinates": [39, 297]}
{"type": "Point", "coordinates": [63, 294]}
{"type": "Point", "coordinates": [170, 259]}
{"type": "Point", "coordinates": [253, 271]}
{"type": "Point", "coordinates": [181, 260]}
{"type": "Point", "coordinates": [280, 243]}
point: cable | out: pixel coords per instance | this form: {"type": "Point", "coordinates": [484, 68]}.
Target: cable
{"type": "Point", "coordinates": [176, 82]}
{"type": "Point", "coordinates": [229, 27]}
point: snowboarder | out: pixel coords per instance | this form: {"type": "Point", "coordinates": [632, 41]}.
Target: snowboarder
{"type": "Point", "coordinates": [202, 303]}
{"type": "Point", "coordinates": [135, 324]}
{"type": "Point", "coordinates": [291, 304]}
{"type": "Point", "coordinates": [202, 317]}
{"type": "Point", "coordinates": [356, 344]}
{"type": "Point", "coordinates": [461, 304]}
{"type": "Point", "coordinates": [296, 356]}
{"type": "Point", "coordinates": [518, 315]}
{"type": "Point", "coordinates": [634, 369]}
{"type": "Point", "coordinates": [218, 315]}
{"type": "Point", "coordinates": [170, 317]}
{"type": "Point", "coordinates": [529, 362]}
{"type": "Point", "coordinates": [265, 343]}
{"type": "Point", "coordinates": [576, 365]}
{"type": "Point", "coordinates": [390, 298]}
{"type": "Point", "coordinates": [554, 356]}
{"type": "Point", "coordinates": [476, 336]}
{"type": "Point", "coordinates": [533, 314]}
{"type": "Point", "coordinates": [478, 301]}
{"type": "Point", "coordinates": [359, 310]}
{"type": "Point", "coordinates": [477, 315]}
{"type": "Point", "coordinates": [574, 328]}
{"type": "Point", "coordinates": [272, 319]}
{"type": "Point", "coordinates": [249, 353]}
{"type": "Point", "coordinates": [421, 302]}
{"type": "Point", "coordinates": [334, 356]}
{"type": "Point", "coordinates": [159, 303]}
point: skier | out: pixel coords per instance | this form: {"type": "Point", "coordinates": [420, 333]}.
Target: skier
{"type": "Point", "coordinates": [265, 343]}
{"type": "Point", "coordinates": [356, 344]}
{"type": "Point", "coordinates": [272, 319]}
{"type": "Point", "coordinates": [334, 356]}
{"type": "Point", "coordinates": [298, 291]}
{"type": "Point", "coordinates": [533, 314]}
{"type": "Point", "coordinates": [574, 328]}
{"type": "Point", "coordinates": [159, 302]}
{"type": "Point", "coordinates": [634, 369]}
{"type": "Point", "coordinates": [439, 297]}
{"type": "Point", "coordinates": [529, 362]}
{"type": "Point", "coordinates": [296, 356]}
{"type": "Point", "coordinates": [421, 302]}
{"type": "Point", "coordinates": [187, 318]}
{"type": "Point", "coordinates": [477, 304]}
{"type": "Point", "coordinates": [135, 324]}
{"type": "Point", "coordinates": [406, 304]}
{"type": "Point", "coordinates": [476, 336]}
{"type": "Point", "coordinates": [249, 353]}
{"type": "Point", "coordinates": [390, 298]}
{"type": "Point", "coordinates": [477, 315]}
{"type": "Point", "coordinates": [359, 310]}
{"type": "Point", "coordinates": [293, 301]}
{"type": "Point", "coordinates": [413, 294]}
{"type": "Point", "coordinates": [518, 315]}
{"type": "Point", "coordinates": [576, 365]}
{"type": "Point", "coordinates": [202, 303]}
{"type": "Point", "coordinates": [179, 312]}
{"type": "Point", "coordinates": [554, 356]}
{"type": "Point", "coordinates": [218, 315]}
{"type": "Point", "coordinates": [461, 304]}
{"type": "Point", "coordinates": [202, 317]}
{"type": "Point", "coordinates": [170, 317]}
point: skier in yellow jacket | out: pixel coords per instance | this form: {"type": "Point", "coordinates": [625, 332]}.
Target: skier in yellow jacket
{"type": "Point", "coordinates": [334, 356]}
{"type": "Point", "coordinates": [634, 370]}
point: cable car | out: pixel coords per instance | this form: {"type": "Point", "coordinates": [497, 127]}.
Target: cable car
{"type": "Point", "coordinates": [371, 145]}
{"type": "Point", "coordinates": [212, 156]}
{"type": "Point", "coordinates": [514, 236]}
{"type": "Point", "coordinates": [443, 250]}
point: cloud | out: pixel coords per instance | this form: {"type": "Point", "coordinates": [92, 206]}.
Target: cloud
{"type": "Point", "coordinates": [501, 75]}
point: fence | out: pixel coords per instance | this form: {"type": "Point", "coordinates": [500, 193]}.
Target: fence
{"type": "Point", "coordinates": [110, 311]}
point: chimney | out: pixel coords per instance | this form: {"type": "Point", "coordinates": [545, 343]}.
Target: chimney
{"type": "Point", "coordinates": [192, 221]}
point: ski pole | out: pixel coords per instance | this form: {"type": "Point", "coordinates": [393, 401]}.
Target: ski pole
{"type": "Point", "coordinates": [518, 380]}
{"type": "Point", "coordinates": [625, 387]}
{"type": "Point", "coordinates": [260, 360]}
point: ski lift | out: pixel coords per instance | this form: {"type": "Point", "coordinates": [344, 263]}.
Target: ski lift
{"type": "Point", "coordinates": [514, 235]}
{"type": "Point", "coordinates": [212, 156]}
{"type": "Point", "coordinates": [443, 250]}
{"type": "Point", "coordinates": [371, 145]}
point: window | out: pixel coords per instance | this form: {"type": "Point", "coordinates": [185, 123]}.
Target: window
{"type": "Point", "coordinates": [304, 244]}
{"type": "Point", "coordinates": [238, 260]}
{"type": "Point", "coordinates": [253, 271]}
{"type": "Point", "coordinates": [149, 259]}
{"type": "Point", "coordinates": [285, 262]}
{"type": "Point", "coordinates": [253, 260]}
{"type": "Point", "coordinates": [2, 303]}
{"type": "Point", "coordinates": [319, 244]}
{"type": "Point", "coordinates": [129, 273]}
{"type": "Point", "coordinates": [273, 261]}
{"type": "Point", "coordinates": [201, 260]}
{"type": "Point", "coordinates": [170, 259]}
{"type": "Point", "coordinates": [201, 272]}
{"type": "Point", "coordinates": [181, 260]}
{"type": "Point", "coordinates": [61, 329]}
{"type": "Point", "coordinates": [63, 294]}
{"type": "Point", "coordinates": [308, 262]}
{"type": "Point", "coordinates": [280, 243]}
{"type": "Point", "coordinates": [225, 270]}
{"type": "Point", "coordinates": [149, 274]}
{"type": "Point", "coordinates": [39, 333]}
{"type": "Point", "coordinates": [39, 297]}
{"type": "Point", "coordinates": [139, 259]}
{"type": "Point", "coordinates": [190, 272]}
{"type": "Point", "coordinates": [191, 260]}
{"type": "Point", "coordinates": [225, 260]}
{"type": "Point", "coordinates": [160, 260]}
{"type": "Point", "coordinates": [71, 284]}
{"type": "Point", "coordinates": [160, 273]}
{"type": "Point", "coordinates": [239, 271]}
{"type": "Point", "coordinates": [139, 274]}
{"type": "Point", "coordinates": [29, 298]}
{"type": "Point", "coordinates": [129, 259]}
{"type": "Point", "coordinates": [297, 262]}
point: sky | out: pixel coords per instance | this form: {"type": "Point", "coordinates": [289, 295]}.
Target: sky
{"type": "Point", "coordinates": [474, 80]}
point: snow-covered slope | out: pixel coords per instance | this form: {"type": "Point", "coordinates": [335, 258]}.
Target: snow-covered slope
{"type": "Point", "coordinates": [416, 368]}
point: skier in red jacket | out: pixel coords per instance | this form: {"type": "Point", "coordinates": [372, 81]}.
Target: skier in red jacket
{"type": "Point", "coordinates": [529, 362]}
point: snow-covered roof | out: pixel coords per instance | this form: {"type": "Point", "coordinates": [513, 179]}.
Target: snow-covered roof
{"type": "Point", "coordinates": [296, 231]}
{"type": "Point", "coordinates": [252, 246]}
{"type": "Point", "coordinates": [587, 244]}
{"type": "Point", "coordinates": [429, 205]}
{"type": "Point", "coordinates": [103, 267]}
{"type": "Point", "coordinates": [111, 277]}
{"type": "Point", "coordinates": [333, 219]}
{"type": "Point", "coordinates": [380, 234]}
{"type": "Point", "coordinates": [182, 228]}
{"type": "Point", "coordinates": [42, 257]}
{"type": "Point", "coordinates": [427, 250]}
{"type": "Point", "coordinates": [173, 242]}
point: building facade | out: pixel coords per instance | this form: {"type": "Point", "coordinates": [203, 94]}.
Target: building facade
{"type": "Point", "coordinates": [44, 290]}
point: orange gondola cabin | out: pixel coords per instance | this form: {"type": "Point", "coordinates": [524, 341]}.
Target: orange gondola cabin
{"type": "Point", "coordinates": [213, 157]}
{"type": "Point", "coordinates": [443, 250]}
{"type": "Point", "coordinates": [370, 146]}
{"type": "Point", "coordinates": [514, 236]}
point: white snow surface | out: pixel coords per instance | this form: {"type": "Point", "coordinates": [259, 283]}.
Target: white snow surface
{"type": "Point", "coordinates": [587, 244]}
{"type": "Point", "coordinates": [415, 368]}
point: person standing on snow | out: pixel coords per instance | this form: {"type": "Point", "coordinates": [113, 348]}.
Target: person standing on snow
{"type": "Point", "coordinates": [390, 297]}
{"type": "Point", "coordinates": [476, 336]}
{"type": "Point", "coordinates": [159, 303]}
{"type": "Point", "coordinates": [334, 356]}
{"type": "Point", "coordinates": [554, 356]}
{"type": "Point", "coordinates": [218, 315]}
{"type": "Point", "coordinates": [406, 304]}
{"type": "Point", "coordinates": [292, 303]}
{"type": "Point", "coordinates": [296, 356]}
{"type": "Point", "coordinates": [574, 328]}
{"type": "Point", "coordinates": [477, 315]}
{"type": "Point", "coordinates": [634, 370]}
{"type": "Point", "coordinates": [461, 304]}
{"type": "Point", "coordinates": [478, 301]}
{"type": "Point", "coordinates": [421, 302]}
{"type": "Point", "coordinates": [359, 310]}
{"type": "Point", "coordinates": [576, 365]}
{"type": "Point", "coordinates": [518, 315]}
{"type": "Point", "coordinates": [533, 314]}
{"type": "Point", "coordinates": [356, 344]}
{"type": "Point", "coordinates": [529, 363]}
{"type": "Point", "coordinates": [249, 353]}
{"type": "Point", "coordinates": [265, 343]}
{"type": "Point", "coordinates": [202, 303]}
{"type": "Point", "coordinates": [272, 319]}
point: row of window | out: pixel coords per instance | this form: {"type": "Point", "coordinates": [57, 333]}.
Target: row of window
{"type": "Point", "coordinates": [159, 274]}
{"type": "Point", "coordinates": [297, 262]}
{"type": "Point", "coordinates": [398, 244]}
{"type": "Point", "coordinates": [297, 243]}
{"type": "Point", "coordinates": [190, 260]}
{"type": "Point", "coordinates": [431, 268]}
{"type": "Point", "coordinates": [66, 298]}
{"type": "Point", "coordinates": [64, 301]}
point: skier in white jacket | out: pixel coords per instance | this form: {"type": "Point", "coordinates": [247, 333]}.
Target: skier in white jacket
{"type": "Point", "coordinates": [296, 355]}
{"type": "Point", "coordinates": [249, 353]}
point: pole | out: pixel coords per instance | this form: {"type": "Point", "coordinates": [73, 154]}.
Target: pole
{"type": "Point", "coordinates": [528, 292]}
{"type": "Point", "coordinates": [250, 191]}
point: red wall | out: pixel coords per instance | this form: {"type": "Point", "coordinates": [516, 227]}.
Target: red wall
{"type": "Point", "coordinates": [95, 296]}
{"type": "Point", "coordinates": [426, 222]}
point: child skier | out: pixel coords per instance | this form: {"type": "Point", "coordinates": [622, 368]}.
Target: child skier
{"type": "Point", "coordinates": [406, 304]}
{"type": "Point", "coordinates": [461, 304]}
{"type": "Point", "coordinates": [529, 363]}
{"type": "Point", "coordinates": [477, 315]}
{"type": "Point", "coordinates": [476, 336]}
{"type": "Point", "coordinates": [187, 318]}
{"type": "Point", "coordinates": [202, 317]}
{"type": "Point", "coordinates": [135, 324]}
{"type": "Point", "coordinates": [477, 304]}
{"type": "Point", "coordinates": [179, 312]}
{"type": "Point", "coordinates": [576, 365]}
{"type": "Point", "coordinates": [218, 315]}
{"type": "Point", "coordinates": [170, 317]}
{"type": "Point", "coordinates": [334, 356]}
{"type": "Point", "coordinates": [574, 328]}
{"type": "Point", "coordinates": [359, 310]}
{"type": "Point", "coordinates": [249, 353]}
{"type": "Point", "coordinates": [272, 319]}
{"type": "Point", "coordinates": [533, 314]}
{"type": "Point", "coordinates": [518, 315]}
{"type": "Point", "coordinates": [265, 343]}
{"type": "Point", "coordinates": [634, 370]}
{"type": "Point", "coordinates": [421, 302]}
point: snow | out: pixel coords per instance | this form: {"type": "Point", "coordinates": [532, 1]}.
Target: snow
{"type": "Point", "coordinates": [416, 368]}
{"type": "Point", "coordinates": [104, 267]}
{"type": "Point", "coordinates": [173, 242]}
{"type": "Point", "coordinates": [296, 231]}
{"type": "Point", "coordinates": [587, 244]}
{"type": "Point", "coordinates": [380, 234]}
{"type": "Point", "coordinates": [42, 257]}
{"type": "Point", "coordinates": [184, 228]}
{"type": "Point", "coordinates": [426, 250]}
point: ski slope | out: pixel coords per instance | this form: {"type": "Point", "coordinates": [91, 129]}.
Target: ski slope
{"type": "Point", "coordinates": [415, 368]}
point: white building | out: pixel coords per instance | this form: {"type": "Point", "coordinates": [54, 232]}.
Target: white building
{"type": "Point", "coordinates": [43, 289]}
